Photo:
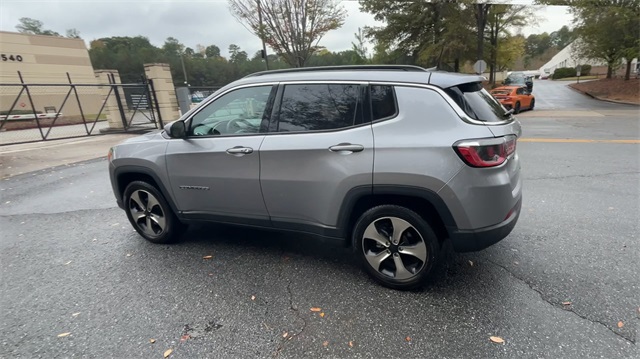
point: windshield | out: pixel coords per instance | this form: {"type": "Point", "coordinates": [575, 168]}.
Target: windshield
{"type": "Point", "coordinates": [477, 103]}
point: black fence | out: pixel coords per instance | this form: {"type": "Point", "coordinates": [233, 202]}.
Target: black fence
{"type": "Point", "coordinates": [43, 111]}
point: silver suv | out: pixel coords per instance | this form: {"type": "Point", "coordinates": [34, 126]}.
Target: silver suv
{"type": "Point", "coordinates": [391, 160]}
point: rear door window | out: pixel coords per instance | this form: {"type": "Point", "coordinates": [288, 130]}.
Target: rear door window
{"type": "Point", "coordinates": [383, 102]}
{"type": "Point", "coordinates": [477, 103]}
{"type": "Point", "coordinates": [316, 107]}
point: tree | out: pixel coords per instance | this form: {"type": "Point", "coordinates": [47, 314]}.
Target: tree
{"type": "Point", "coordinates": [212, 51]}
{"type": "Point", "coordinates": [73, 34]}
{"type": "Point", "coordinates": [361, 51]}
{"type": "Point", "coordinates": [293, 28]}
{"type": "Point", "coordinates": [237, 56]}
{"type": "Point", "coordinates": [500, 19]}
{"type": "Point", "coordinates": [28, 25]}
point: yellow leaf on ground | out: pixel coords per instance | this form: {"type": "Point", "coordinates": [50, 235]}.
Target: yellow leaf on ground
{"type": "Point", "coordinates": [167, 353]}
{"type": "Point", "coordinates": [325, 343]}
{"type": "Point", "coordinates": [152, 341]}
{"type": "Point", "coordinates": [350, 343]}
{"type": "Point", "coordinates": [497, 340]}
{"type": "Point", "coordinates": [321, 315]}
{"type": "Point", "coordinates": [286, 334]}
{"type": "Point", "coordinates": [207, 257]}
{"type": "Point", "coordinates": [316, 309]}
{"type": "Point", "coordinates": [620, 324]}
{"type": "Point", "coordinates": [62, 335]}
{"type": "Point", "coordinates": [253, 297]}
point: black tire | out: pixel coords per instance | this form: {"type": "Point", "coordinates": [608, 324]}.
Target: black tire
{"type": "Point", "coordinates": [516, 109]}
{"type": "Point", "coordinates": [155, 222]}
{"type": "Point", "coordinates": [416, 269]}
{"type": "Point", "coordinates": [533, 104]}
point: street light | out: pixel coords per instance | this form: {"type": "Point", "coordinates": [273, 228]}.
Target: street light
{"type": "Point", "coordinates": [264, 47]}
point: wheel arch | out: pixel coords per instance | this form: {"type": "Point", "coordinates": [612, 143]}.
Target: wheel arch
{"type": "Point", "coordinates": [428, 204]}
{"type": "Point", "coordinates": [124, 175]}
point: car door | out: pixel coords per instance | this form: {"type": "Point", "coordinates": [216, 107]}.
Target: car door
{"type": "Point", "coordinates": [215, 170]}
{"type": "Point", "coordinates": [317, 150]}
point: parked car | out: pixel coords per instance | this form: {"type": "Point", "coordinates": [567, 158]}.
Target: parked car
{"type": "Point", "coordinates": [519, 78]}
{"type": "Point", "coordinates": [390, 160]}
{"type": "Point", "coordinates": [514, 97]}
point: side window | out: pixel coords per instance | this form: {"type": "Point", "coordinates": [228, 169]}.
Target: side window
{"type": "Point", "coordinates": [237, 112]}
{"type": "Point", "coordinates": [519, 92]}
{"type": "Point", "coordinates": [383, 102]}
{"type": "Point", "coordinates": [318, 107]}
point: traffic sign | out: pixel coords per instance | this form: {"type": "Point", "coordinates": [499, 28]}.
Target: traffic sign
{"type": "Point", "coordinates": [480, 66]}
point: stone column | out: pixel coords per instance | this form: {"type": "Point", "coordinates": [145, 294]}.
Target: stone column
{"type": "Point", "coordinates": [111, 108]}
{"type": "Point", "coordinates": [165, 92]}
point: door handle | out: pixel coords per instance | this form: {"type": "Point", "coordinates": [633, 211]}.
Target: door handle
{"type": "Point", "coordinates": [346, 147]}
{"type": "Point", "coordinates": [239, 150]}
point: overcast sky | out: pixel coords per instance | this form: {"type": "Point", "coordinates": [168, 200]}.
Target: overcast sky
{"type": "Point", "coordinates": [193, 21]}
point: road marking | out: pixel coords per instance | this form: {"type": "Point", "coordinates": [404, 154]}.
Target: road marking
{"type": "Point", "coordinates": [576, 140]}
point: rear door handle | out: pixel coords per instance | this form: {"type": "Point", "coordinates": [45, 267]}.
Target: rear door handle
{"type": "Point", "coordinates": [239, 150]}
{"type": "Point", "coordinates": [346, 147]}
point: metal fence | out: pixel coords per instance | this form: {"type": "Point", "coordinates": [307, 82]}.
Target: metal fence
{"type": "Point", "coordinates": [43, 111]}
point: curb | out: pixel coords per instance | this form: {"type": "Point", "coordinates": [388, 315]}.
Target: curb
{"type": "Point", "coordinates": [602, 98]}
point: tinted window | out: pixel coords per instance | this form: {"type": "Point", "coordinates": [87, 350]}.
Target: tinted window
{"type": "Point", "coordinates": [237, 112]}
{"type": "Point", "coordinates": [476, 102]}
{"type": "Point", "coordinates": [519, 91]}
{"type": "Point", "coordinates": [383, 103]}
{"type": "Point", "coordinates": [318, 107]}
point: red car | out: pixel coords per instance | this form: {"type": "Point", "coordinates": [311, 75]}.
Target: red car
{"type": "Point", "coordinates": [514, 97]}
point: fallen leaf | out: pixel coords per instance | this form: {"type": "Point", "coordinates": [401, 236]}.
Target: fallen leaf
{"type": "Point", "coordinates": [316, 309]}
{"type": "Point", "coordinates": [207, 257]}
{"type": "Point", "coordinates": [152, 341]}
{"type": "Point", "coordinates": [471, 263]}
{"type": "Point", "coordinates": [286, 334]}
{"type": "Point", "coordinates": [67, 263]}
{"type": "Point", "coordinates": [253, 297]}
{"type": "Point", "coordinates": [566, 303]}
{"type": "Point", "coordinates": [325, 343]}
{"type": "Point", "coordinates": [350, 344]}
{"type": "Point", "coordinates": [408, 338]}
{"type": "Point", "coordinates": [210, 273]}
{"type": "Point", "coordinates": [497, 340]}
{"type": "Point", "coordinates": [62, 335]}
{"type": "Point", "coordinates": [116, 224]}
{"type": "Point", "coordinates": [128, 254]}
{"type": "Point", "coordinates": [620, 324]}
{"type": "Point", "coordinates": [167, 353]}
{"type": "Point", "coordinates": [321, 315]}
{"type": "Point", "coordinates": [75, 314]}
{"type": "Point", "coordinates": [516, 263]}
{"type": "Point", "coordinates": [185, 337]}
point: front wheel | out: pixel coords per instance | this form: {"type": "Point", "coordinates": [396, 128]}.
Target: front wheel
{"type": "Point", "coordinates": [516, 109]}
{"type": "Point", "coordinates": [533, 104]}
{"type": "Point", "coordinates": [150, 214]}
{"type": "Point", "coordinates": [397, 247]}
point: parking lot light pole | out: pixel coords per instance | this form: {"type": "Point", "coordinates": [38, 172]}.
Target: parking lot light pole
{"type": "Point", "coordinates": [264, 47]}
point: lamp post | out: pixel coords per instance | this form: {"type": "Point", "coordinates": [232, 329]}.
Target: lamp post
{"type": "Point", "coordinates": [184, 71]}
{"type": "Point", "coordinates": [264, 47]}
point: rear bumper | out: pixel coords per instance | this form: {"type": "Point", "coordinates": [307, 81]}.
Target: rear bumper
{"type": "Point", "coordinates": [476, 240]}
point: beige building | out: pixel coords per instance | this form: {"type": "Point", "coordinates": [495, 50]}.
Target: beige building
{"type": "Point", "coordinates": [47, 60]}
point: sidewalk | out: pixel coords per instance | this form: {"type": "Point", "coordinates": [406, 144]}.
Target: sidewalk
{"type": "Point", "coordinates": [35, 156]}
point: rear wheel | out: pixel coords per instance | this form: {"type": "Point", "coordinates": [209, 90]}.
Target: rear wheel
{"type": "Point", "coordinates": [396, 246]}
{"type": "Point", "coordinates": [150, 214]}
{"type": "Point", "coordinates": [516, 109]}
{"type": "Point", "coordinates": [533, 104]}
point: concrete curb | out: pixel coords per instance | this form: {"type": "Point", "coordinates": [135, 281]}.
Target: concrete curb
{"type": "Point", "coordinates": [602, 98]}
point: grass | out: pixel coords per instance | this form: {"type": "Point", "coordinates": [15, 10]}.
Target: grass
{"type": "Point", "coordinates": [576, 78]}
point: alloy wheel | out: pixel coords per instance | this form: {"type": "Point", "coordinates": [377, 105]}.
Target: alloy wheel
{"type": "Point", "coordinates": [147, 213]}
{"type": "Point", "coordinates": [394, 248]}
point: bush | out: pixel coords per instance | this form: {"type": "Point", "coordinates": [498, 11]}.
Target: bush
{"type": "Point", "coordinates": [585, 70]}
{"type": "Point", "coordinates": [564, 72]}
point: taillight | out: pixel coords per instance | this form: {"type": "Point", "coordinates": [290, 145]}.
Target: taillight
{"type": "Point", "coordinates": [110, 155]}
{"type": "Point", "coordinates": [486, 152]}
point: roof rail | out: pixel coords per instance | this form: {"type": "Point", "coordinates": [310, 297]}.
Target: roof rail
{"type": "Point", "coordinates": [342, 68]}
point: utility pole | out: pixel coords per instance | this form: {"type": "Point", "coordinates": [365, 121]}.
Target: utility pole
{"type": "Point", "coordinates": [264, 47]}
{"type": "Point", "coordinates": [184, 71]}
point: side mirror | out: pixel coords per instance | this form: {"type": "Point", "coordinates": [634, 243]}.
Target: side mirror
{"type": "Point", "coordinates": [176, 129]}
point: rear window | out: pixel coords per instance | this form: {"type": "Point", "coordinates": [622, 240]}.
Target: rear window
{"type": "Point", "coordinates": [504, 92]}
{"type": "Point", "coordinates": [477, 103]}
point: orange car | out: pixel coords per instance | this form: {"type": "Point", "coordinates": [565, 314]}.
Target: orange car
{"type": "Point", "coordinates": [514, 97]}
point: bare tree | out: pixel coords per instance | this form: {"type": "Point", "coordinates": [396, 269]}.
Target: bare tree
{"type": "Point", "coordinates": [292, 28]}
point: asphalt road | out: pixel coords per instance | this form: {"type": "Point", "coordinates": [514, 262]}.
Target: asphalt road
{"type": "Point", "coordinates": [564, 284]}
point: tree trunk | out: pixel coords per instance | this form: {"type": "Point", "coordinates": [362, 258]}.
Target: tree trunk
{"type": "Point", "coordinates": [627, 75]}
{"type": "Point", "coordinates": [456, 65]}
{"type": "Point", "coordinates": [609, 71]}
{"type": "Point", "coordinates": [481, 22]}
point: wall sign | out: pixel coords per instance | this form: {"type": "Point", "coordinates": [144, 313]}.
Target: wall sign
{"type": "Point", "coordinates": [10, 57]}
